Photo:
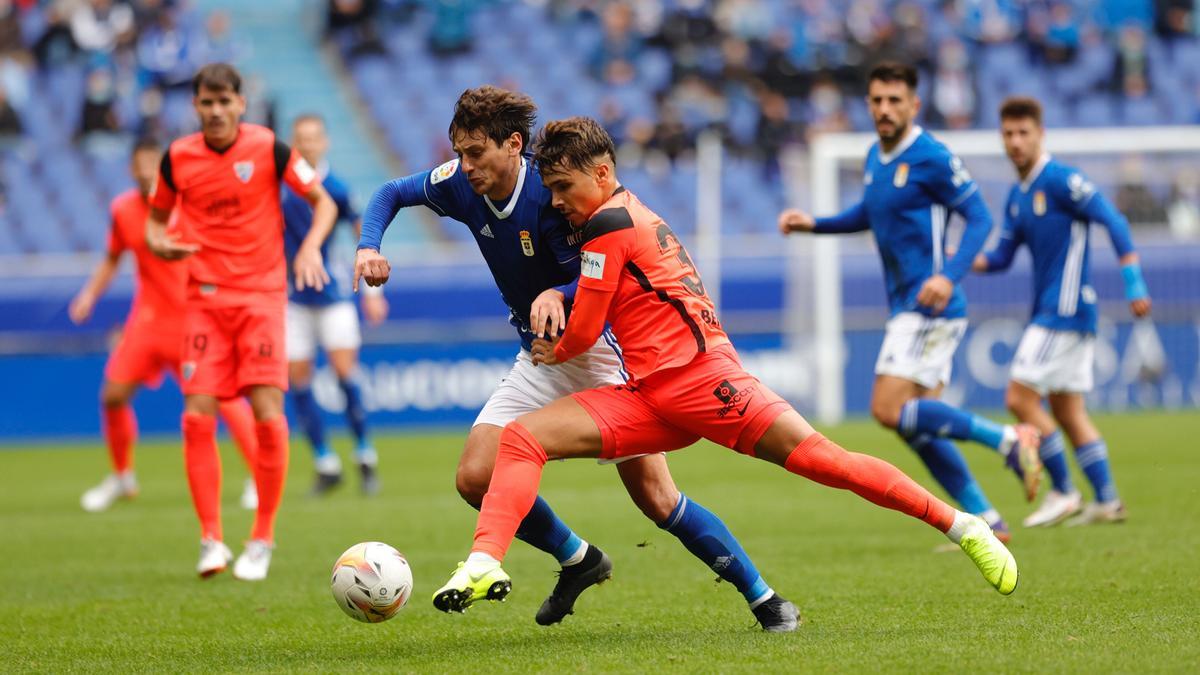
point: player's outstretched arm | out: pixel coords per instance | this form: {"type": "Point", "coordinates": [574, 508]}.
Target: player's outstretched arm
{"type": "Point", "coordinates": [309, 266]}
{"type": "Point", "coordinates": [80, 309]}
{"type": "Point", "coordinates": [162, 243]}
{"type": "Point", "coordinates": [853, 219]}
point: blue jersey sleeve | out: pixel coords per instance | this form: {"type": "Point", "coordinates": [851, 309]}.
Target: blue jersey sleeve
{"type": "Point", "coordinates": [434, 189]}
{"type": "Point", "coordinates": [975, 233]}
{"type": "Point", "coordinates": [1086, 203]}
{"type": "Point", "coordinates": [949, 183]}
{"type": "Point", "coordinates": [1001, 256]}
{"type": "Point", "coordinates": [853, 219]}
{"type": "Point", "coordinates": [341, 197]}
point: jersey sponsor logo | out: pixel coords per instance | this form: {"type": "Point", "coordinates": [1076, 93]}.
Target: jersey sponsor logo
{"type": "Point", "coordinates": [304, 171]}
{"type": "Point", "coordinates": [731, 398]}
{"type": "Point", "coordinates": [591, 264]}
{"type": "Point", "coordinates": [1080, 187]}
{"type": "Point", "coordinates": [959, 175]}
{"type": "Point", "coordinates": [526, 243]}
{"type": "Point", "coordinates": [900, 179]}
{"type": "Point", "coordinates": [443, 172]}
{"type": "Point", "coordinates": [487, 231]}
{"type": "Point", "coordinates": [1039, 203]}
{"type": "Point", "coordinates": [244, 170]}
{"type": "Point", "coordinates": [868, 177]}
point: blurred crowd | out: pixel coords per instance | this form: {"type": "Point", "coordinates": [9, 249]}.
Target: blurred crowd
{"type": "Point", "coordinates": [108, 67]}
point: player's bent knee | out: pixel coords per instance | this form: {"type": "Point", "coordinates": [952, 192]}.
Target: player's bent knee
{"type": "Point", "coordinates": [650, 485]}
{"type": "Point", "coordinates": [886, 413]}
{"type": "Point", "coordinates": [472, 482]}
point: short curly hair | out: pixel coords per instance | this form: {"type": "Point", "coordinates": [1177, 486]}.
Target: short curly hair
{"type": "Point", "coordinates": [497, 113]}
{"type": "Point", "coordinates": [573, 143]}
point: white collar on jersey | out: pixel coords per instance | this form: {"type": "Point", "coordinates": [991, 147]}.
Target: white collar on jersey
{"type": "Point", "coordinates": [512, 201]}
{"type": "Point", "coordinates": [911, 137]}
{"type": "Point", "coordinates": [1035, 172]}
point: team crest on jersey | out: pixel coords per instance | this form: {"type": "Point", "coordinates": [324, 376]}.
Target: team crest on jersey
{"type": "Point", "coordinates": [526, 243]}
{"type": "Point", "coordinates": [1039, 203]}
{"type": "Point", "coordinates": [189, 369]}
{"type": "Point", "coordinates": [243, 170]}
{"type": "Point", "coordinates": [443, 172]}
{"type": "Point", "coordinates": [901, 177]}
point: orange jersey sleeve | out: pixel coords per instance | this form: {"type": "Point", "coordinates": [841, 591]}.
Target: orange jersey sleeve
{"type": "Point", "coordinates": [116, 242]}
{"type": "Point", "coordinates": [163, 194]}
{"type": "Point", "coordinates": [298, 174]}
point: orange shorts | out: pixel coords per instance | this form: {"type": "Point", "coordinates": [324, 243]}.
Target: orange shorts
{"type": "Point", "coordinates": [144, 354]}
{"type": "Point", "coordinates": [229, 349]}
{"type": "Point", "coordinates": [712, 397]}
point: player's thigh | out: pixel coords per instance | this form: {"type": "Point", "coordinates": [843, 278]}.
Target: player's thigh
{"type": "Point", "coordinates": [889, 394]}
{"type": "Point", "coordinates": [300, 326]}
{"type": "Point", "coordinates": [260, 341]}
{"type": "Point", "coordinates": [1021, 399]}
{"type": "Point", "coordinates": [209, 360]}
{"type": "Point", "coordinates": [135, 359]}
{"type": "Point", "coordinates": [564, 429]}
{"type": "Point", "coordinates": [783, 436]}
{"type": "Point", "coordinates": [340, 336]}
{"type": "Point", "coordinates": [714, 397]}
{"type": "Point", "coordinates": [113, 393]}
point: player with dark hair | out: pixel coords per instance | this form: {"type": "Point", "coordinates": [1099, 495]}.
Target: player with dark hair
{"type": "Point", "coordinates": [327, 318]}
{"type": "Point", "coordinates": [1050, 210]}
{"type": "Point", "coordinates": [226, 181]}
{"type": "Point", "coordinates": [152, 340]}
{"type": "Point", "coordinates": [533, 254]}
{"type": "Point", "coordinates": [912, 183]}
{"type": "Point", "coordinates": [686, 379]}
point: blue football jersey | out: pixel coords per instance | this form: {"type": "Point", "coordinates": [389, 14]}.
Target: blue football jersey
{"type": "Point", "coordinates": [527, 244]}
{"type": "Point", "coordinates": [1051, 212]}
{"type": "Point", "coordinates": [297, 220]}
{"type": "Point", "coordinates": [908, 196]}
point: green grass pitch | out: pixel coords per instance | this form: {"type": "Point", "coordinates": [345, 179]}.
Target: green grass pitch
{"type": "Point", "coordinates": [116, 591]}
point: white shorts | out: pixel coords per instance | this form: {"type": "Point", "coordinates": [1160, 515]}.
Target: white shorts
{"type": "Point", "coordinates": [919, 348]}
{"type": "Point", "coordinates": [333, 327]}
{"type": "Point", "coordinates": [528, 387]}
{"type": "Point", "coordinates": [1054, 361]}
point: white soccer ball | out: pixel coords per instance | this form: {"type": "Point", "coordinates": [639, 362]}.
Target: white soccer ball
{"type": "Point", "coordinates": [371, 581]}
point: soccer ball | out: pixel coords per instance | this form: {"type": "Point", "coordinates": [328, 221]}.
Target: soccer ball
{"type": "Point", "coordinates": [371, 581]}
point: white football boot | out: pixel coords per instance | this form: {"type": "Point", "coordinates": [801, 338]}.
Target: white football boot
{"type": "Point", "coordinates": [249, 500]}
{"type": "Point", "coordinates": [255, 560]}
{"type": "Point", "coordinates": [1100, 512]}
{"type": "Point", "coordinates": [114, 486]}
{"type": "Point", "coordinates": [1056, 507]}
{"type": "Point", "coordinates": [215, 556]}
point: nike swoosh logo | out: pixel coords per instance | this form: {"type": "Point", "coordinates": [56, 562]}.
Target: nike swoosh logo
{"type": "Point", "coordinates": [742, 412]}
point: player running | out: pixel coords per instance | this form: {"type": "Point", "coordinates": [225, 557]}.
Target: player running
{"type": "Point", "coordinates": [534, 257]}
{"type": "Point", "coordinates": [227, 180]}
{"type": "Point", "coordinates": [151, 342]}
{"type": "Point", "coordinates": [1050, 211]}
{"type": "Point", "coordinates": [912, 184]}
{"type": "Point", "coordinates": [327, 317]}
{"type": "Point", "coordinates": [686, 379]}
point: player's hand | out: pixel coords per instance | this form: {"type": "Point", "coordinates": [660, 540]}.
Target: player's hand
{"type": "Point", "coordinates": [375, 309]}
{"type": "Point", "coordinates": [1140, 307]}
{"type": "Point", "coordinates": [543, 351]}
{"type": "Point", "coordinates": [309, 269]}
{"type": "Point", "coordinates": [935, 293]}
{"type": "Point", "coordinates": [980, 263]}
{"type": "Point", "coordinates": [372, 267]}
{"type": "Point", "coordinates": [547, 315]}
{"type": "Point", "coordinates": [795, 220]}
{"type": "Point", "coordinates": [80, 309]}
{"type": "Point", "coordinates": [168, 246]}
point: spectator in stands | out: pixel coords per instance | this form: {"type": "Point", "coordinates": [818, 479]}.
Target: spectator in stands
{"type": "Point", "coordinates": [613, 60]}
{"type": "Point", "coordinates": [1133, 196]}
{"type": "Point", "coordinates": [162, 54]}
{"type": "Point", "coordinates": [775, 130]}
{"type": "Point", "coordinates": [98, 113]}
{"type": "Point", "coordinates": [451, 33]}
{"type": "Point", "coordinates": [217, 43]}
{"type": "Point", "coordinates": [14, 59]}
{"type": "Point", "coordinates": [55, 46]}
{"type": "Point", "coordinates": [1175, 18]}
{"type": "Point", "coordinates": [1183, 212]}
{"type": "Point", "coordinates": [1062, 35]}
{"type": "Point", "coordinates": [1131, 69]}
{"type": "Point", "coordinates": [10, 122]}
{"type": "Point", "coordinates": [352, 21]}
{"type": "Point", "coordinates": [953, 86]}
{"type": "Point", "coordinates": [102, 25]}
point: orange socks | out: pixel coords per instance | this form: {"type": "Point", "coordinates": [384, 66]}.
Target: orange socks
{"type": "Point", "coordinates": [270, 473]}
{"type": "Point", "coordinates": [239, 417]}
{"type": "Point", "coordinates": [513, 490]}
{"type": "Point", "coordinates": [120, 432]}
{"type": "Point", "coordinates": [203, 471]}
{"type": "Point", "coordinates": [823, 461]}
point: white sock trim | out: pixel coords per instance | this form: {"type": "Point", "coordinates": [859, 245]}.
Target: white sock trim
{"type": "Point", "coordinates": [577, 556]}
{"type": "Point", "coordinates": [961, 522]}
{"type": "Point", "coordinates": [762, 598]}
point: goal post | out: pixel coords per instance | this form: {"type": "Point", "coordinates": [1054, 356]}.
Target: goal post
{"type": "Point", "coordinates": [814, 282]}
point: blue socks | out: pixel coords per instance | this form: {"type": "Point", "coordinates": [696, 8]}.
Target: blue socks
{"type": "Point", "coordinates": [1093, 459]}
{"type": "Point", "coordinates": [356, 417]}
{"type": "Point", "coordinates": [950, 470]}
{"type": "Point", "coordinates": [703, 533]}
{"type": "Point", "coordinates": [543, 530]}
{"type": "Point", "coordinates": [310, 420]}
{"type": "Point", "coordinates": [936, 418]}
{"type": "Point", "coordinates": [1054, 457]}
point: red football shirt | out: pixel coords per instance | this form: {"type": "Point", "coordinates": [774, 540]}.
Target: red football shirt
{"type": "Point", "coordinates": [230, 205]}
{"type": "Point", "coordinates": [161, 285]}
{"type": "Point", "coordinates": [636, 275]}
